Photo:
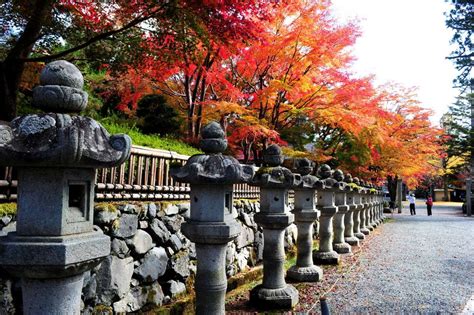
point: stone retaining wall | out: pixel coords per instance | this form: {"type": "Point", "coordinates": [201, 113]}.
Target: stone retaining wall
{"type": "Point", "coordinates": [151, 262]}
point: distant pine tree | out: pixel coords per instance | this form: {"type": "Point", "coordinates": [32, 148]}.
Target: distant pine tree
{"type": "Point", "coordinates": [157, 117]}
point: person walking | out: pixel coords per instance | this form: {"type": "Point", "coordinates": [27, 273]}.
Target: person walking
{"type": "Point", "coordinates": [429, 204]}
{"type": "Point", "coordinates": [411, 199]}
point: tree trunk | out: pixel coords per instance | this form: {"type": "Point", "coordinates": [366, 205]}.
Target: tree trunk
{"type": "Point", "coordinates": [11, 69]}
{"type": "Point", "coordinates": [471, 164]}
{"type": "Point", "coordinates": [10, 75]}
{"type": "Point", "coordinates": [445, 188]}
{"type": "Point", "coordinates": [392, 189]}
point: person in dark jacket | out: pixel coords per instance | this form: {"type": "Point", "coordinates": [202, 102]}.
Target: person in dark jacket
{"type": "Point", "coordinates": [429, 204]}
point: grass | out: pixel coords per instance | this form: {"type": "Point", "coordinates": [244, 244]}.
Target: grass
{"type": "Point", "coordinates": [152, 141]}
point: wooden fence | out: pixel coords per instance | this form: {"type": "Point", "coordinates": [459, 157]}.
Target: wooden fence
{"type": "Point", "coordinates": [145, 176]}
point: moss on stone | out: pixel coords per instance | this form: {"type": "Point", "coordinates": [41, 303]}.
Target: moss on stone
{"type": "Point", "coordinates": [8, 209]}
{"type": "Point", "coordinates": [353, 185]}
{"type": "Point", "coordinates": [106, 206]}
{"type": "Point", "coordinates": [102, 310]}
{"type": "Point", "coordinates": [115, 224]}
{"type": "Point", "coordinates": [264, 170]}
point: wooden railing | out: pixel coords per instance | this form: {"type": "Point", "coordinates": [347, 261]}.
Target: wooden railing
{"type": "Point", "coordinates": [145, 176]}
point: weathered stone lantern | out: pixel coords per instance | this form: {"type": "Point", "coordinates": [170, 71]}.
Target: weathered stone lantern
{"type": "Point", "coordinates": [349, 236]}
{"type": "Point", "coordinates": [56, 155]}
{"type": "Point", "coordinates": [380, 202]}
{"type": "Point", "coordinates": [305, 214]}
{"type": "Point", "coordinates": [368, 211]}
{"type": "Point", "coordinates": [358, 210]}
{"type": "Point", "coordinates": [339, 244]}
{"type": "Point", "coordinates": [326, 255]}
{"type": "Point", "coordinates": [364, 213]}
{"type": "Point", "coordinates": [274, 216]}
{"type": "Point", "coordinates": [373, 207]}
{"type": "Point", "coordinates": [211, 225]}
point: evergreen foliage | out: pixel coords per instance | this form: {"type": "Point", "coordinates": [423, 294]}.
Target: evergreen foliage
{"type": "Point", "coordinates": [157, 117]}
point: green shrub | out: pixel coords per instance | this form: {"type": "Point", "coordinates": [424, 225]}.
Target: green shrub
{"type": "Point", "coordinates": [157, 117]}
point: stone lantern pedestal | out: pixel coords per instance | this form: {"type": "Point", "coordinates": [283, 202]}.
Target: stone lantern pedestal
{"type": "Point", "coordinates": [326, 255]}
{"type": "Point", "coordinates": [56, 156]}
{"type": "Point", "coordinates": [339, 244]}
{"type": "Point", "coordinates": [305, 214]}
{"type": "Point", "coordinates": [211, 225]}
{"type": "Point", "coordinates": [274, 217]}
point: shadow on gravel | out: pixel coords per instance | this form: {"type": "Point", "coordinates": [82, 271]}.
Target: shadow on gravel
{"type": "Point", "coordinates": [457, 269]}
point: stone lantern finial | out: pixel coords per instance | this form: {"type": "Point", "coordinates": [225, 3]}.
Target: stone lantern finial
{"type": "Point", "coordinates": [348, 178]}
{"type": "Point", "coordinates": [273, 155]}
{"type": "Point", "coordinates": [61, 88]}
{"type": "Point", "coordinates": [338, 175]}
{"type": "Point", "coordinates": [213, 138]}
{"type": "Point", "coordinates": [324, 171]}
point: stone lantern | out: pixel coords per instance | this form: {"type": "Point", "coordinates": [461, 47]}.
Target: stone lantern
{"type": "Point", "coordinates": [274, 216]}
{"type": "Point", "coordinates": [369, 208]}
{"type": "Point", "coordinates": [380, 203]}
{"type": "Point", "coordinates": [305, 214]}
{"type": "Point", "coordinates": [326, 255]}
{"type": "Point", "coordinates": [364, 213]}
{"type": "Point", "coordinates": [358, 210]}
{"type": "Point", "coordinates": [349, 236]}
{"type": "Point", "coordinates": [211, 225]}
{"type": "Point", "coordinates": [339, 244]}
{"type": "Point", "coordinates": [373, 207]}
{"type": "Point", "coordinates": [56, 155]}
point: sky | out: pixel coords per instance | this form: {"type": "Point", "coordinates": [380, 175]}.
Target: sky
{"type": "Point", "coordinates": [404, 41]}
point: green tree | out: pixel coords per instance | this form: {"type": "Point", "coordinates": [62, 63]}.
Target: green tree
{"type": "Point", "coordinates": [461, 20]}
{"type": "Point", "coordinates": [157, 117]}
{"type": "Point", "coordinates": [107, 32]}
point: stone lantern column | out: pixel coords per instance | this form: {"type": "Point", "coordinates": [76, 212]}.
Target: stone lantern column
{"type": "Point", "coordinates": [305, 214]}
{"type": "Point", "coordinates": [326, 255]}
{"type": "Point", "coordinates": [211, 225]}
{"type": "Point", "coordinates": [358, 210]}
{"type": "Point", "coordinates": [274, 216]}
{"type": "Point", "coordinates": [368, 208]}
{"type": "Point", "coordinates": [339, 244]}
{"type": "Point", "coordinates": [349, 236]}
{"type": "Point", "coordinates": [56, 155]}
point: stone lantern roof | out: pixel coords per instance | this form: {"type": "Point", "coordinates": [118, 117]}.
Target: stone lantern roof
{"type": "Point", "coordinates": [57, 139]}
{"type": "Point", "coordinates": [273, 175]}
{"type": "Point", "coordinates": [304, 167]}
{"type": "Point", "coordinates": [212, 167]}
{"type": "Point", "coordinates": [327, 177]}
{"type": "Point", "coordinates": [341, 179]}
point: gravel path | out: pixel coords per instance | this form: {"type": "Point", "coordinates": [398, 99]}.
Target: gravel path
{"type": "Point", "coordinates": [412, 265]}
{"type": "Point", "coordinates": [408, 265]}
